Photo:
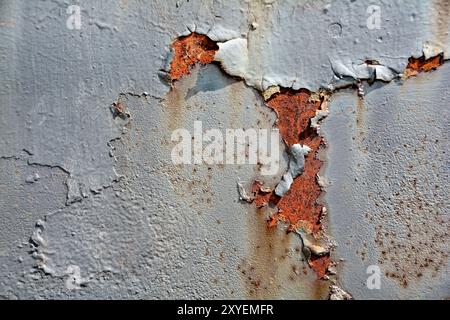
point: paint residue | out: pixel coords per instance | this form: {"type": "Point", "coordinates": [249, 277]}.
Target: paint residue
{"type": "Point", "coordinates": [417, 65]}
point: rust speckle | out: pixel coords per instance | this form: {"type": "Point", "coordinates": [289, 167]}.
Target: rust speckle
{"type": "Point", "coordinates": [299, 207]}
{"type": "Point", "coordinates": [417, 65]}
{"type": "Point", "coordinates": [189, 50]}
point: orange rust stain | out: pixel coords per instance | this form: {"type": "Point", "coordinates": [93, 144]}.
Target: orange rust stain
{"type": "Point", "coordinates": [320, 265]}
{"type": "Point", "coordinates": [417, 65]}
{"type": "Point", "coordinates": [299, 206]}
{"type": "Point", "coordinates": [294, 109]}
{"type": "Point", "coordinates": [263, 196]}
{"type": "Point", "coordinates": [189, 50]}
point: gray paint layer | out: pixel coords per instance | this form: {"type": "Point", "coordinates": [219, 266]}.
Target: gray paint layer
{"type": "Point", "coordinates": [91, 205]}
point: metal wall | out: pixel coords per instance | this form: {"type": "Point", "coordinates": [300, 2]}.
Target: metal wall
{"type": "Point", "coordinates": [92, 205]}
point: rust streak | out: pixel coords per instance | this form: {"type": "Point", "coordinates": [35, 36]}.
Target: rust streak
{"type": "Point", "coordinates": [262, 195]}
{"type": "Point", "coordinates": [262, 270]}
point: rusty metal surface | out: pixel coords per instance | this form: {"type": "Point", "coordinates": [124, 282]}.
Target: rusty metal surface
{"type": "Point", "coordinates": [92, 205]}
{"type": "Point", "coordinates": [387, 200]}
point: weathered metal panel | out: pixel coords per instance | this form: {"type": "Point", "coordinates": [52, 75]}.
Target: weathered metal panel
{"type": "Point", "coordinates": [92, 205]}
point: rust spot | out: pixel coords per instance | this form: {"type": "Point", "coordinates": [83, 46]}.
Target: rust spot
{"type": "Point", "coordinates": [320, 264]}
{"type": "Point", "coordinates": [417, 65]}
{"type": "Point", "coordinates": [189, 50]}
{"type": "Point", "coordinates": [299, 206]}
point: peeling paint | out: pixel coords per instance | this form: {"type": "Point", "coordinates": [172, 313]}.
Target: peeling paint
{"type": "Point", "coordinates": [270, 91]}
{"type": "Point", "coordinates": [299, 205]}
{"type": "Point", "coordinates": [233, 57]}
{"type": "Point", "coordinates": [243, 196]}
{"type": "Point", "coordinates": [369, 70]}
{"type": "Point", "coordinates": [263, 195]}
{"type": "Point", "coordinates": [423, 64]}
{"type": "Point", "coordinates": [294, 110]}
{"type": "Point", "coordinates": [115, 218]}
{"type": "Point", "coordinates": [297, 155]}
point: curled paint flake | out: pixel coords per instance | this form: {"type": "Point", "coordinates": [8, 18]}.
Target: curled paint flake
{"type": "Point", "coordinates": [243, 195]}
{"type": "Point", "coordinates": [297, 154]}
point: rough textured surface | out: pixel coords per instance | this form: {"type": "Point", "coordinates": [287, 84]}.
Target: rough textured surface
{"type": "Point", "coordinates": [393, 150]}
{"type": "Point", "coordinates": [91, 205]}
{"type": "Point", "coordinates": [190, 50]}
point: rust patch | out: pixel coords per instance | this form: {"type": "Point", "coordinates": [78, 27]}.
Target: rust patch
{"type": "Point", "coordinates": [263, 196]}
{"type": "Point", "coordinates": [189, 50]}
{"type": "Point", "coordinates": [417, 65]}
{"type": "Point", "coordinates": [299, 207]}
{"type": "Point", "coordinates": [294, 110]}
{"type": "Point", "coordinates": [320, 264]}
{"type": "Point", "coordinates": [119, 109]}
